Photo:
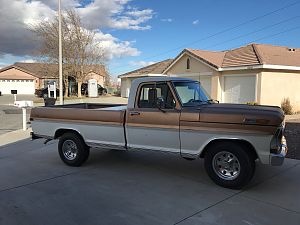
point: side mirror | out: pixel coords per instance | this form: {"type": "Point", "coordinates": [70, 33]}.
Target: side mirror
{"type": "Point", "coordinates": [160, 103]}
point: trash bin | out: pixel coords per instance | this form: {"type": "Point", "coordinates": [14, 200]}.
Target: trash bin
{"type": "Point", "coordinates": [49, 101]}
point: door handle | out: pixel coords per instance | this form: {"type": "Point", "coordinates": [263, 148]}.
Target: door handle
{"type": "Point", "coordinates": [134, 113]}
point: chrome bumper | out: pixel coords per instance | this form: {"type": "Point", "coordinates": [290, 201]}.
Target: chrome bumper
{"type": "Point", "coordinates": [277, 159]}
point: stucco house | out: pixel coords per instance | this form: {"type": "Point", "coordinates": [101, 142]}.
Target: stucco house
{"type": "Point", "coordinates": [155, 69]}
{"type": "Point", "coordinates": [26, 77]}
{"type": "Point", "coordinates": [260, 73]}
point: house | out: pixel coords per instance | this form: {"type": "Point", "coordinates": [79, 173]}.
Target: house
{"type": "Point", "coordinates": [155, 69]}
{"type": "Point", "coordinates": [26, 77]}
{"type": "Point", "coordinates": [260, 73]}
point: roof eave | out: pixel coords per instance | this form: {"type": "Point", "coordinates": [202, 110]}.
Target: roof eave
{"type": "Point", "coordinates": [260, 66]}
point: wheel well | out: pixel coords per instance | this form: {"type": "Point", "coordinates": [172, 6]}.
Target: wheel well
{"type": "Point", "coordinates": [60, 132]}
{"type": "Point", "coordinates": [244, 143]}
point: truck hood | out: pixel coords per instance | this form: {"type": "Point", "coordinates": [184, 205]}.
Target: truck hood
{"type": "Point", "coordinates": [241, 114]}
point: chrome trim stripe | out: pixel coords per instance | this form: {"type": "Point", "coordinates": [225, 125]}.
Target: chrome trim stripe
{"type": "Point", "coordinates": [106, 146]}
{"type": "Point", "coordinates": [78, 122]}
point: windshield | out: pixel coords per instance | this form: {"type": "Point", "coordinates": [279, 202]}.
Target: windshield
{"type": "Point", "coordinates": [191, 93]}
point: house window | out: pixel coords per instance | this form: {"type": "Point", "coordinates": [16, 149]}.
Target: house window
{"type": "Point", "coordinates": [188, 66]}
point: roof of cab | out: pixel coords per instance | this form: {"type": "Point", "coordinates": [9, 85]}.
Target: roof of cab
{"type": "Point", "coordinates": [160, 79]}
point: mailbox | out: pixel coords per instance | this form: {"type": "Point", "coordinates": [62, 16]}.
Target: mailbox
{"type": "Point", "coordinates": [23, 104]}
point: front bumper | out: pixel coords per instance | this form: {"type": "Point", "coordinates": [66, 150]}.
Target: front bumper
{"type": "Point", "coordinates": [277, 159]}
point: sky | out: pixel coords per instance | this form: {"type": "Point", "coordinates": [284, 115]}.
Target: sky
{"type": "Point", "coordinates": [138, 33]}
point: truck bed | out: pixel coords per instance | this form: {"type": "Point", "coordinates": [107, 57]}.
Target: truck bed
{"type": "Point", "coordinates": [83, 112]}
{"type": "Point", "coordinates": [94, 122]}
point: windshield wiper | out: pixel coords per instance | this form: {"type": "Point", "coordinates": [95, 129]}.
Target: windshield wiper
{"type": "Point", "coordinates": [212, 101]}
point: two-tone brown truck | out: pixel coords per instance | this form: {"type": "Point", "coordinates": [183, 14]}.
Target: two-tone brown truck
{"type": "Point", "coordinates": [171, 115]}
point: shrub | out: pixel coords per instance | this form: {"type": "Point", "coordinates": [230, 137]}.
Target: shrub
{"type": "Point", "coordinates": [252, 103]}
{"type": "Point", "coordinates": [286, 106]}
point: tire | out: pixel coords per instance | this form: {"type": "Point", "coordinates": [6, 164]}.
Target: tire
{"type": "Point", "coordinates": [72, 149]}
{"type": "Point", "coordinates": [229, 165]}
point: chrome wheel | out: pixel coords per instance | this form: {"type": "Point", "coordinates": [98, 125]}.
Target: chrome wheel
{"type": "Point", "coordinates": [69, 149]}
{"type": "Point", "coordinates": [226, 165]}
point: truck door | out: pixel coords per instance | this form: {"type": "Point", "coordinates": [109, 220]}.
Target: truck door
{"type": "Point", "coordinates": [149, 126]}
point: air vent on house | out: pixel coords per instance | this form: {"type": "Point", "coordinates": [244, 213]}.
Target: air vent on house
{"type": "Point", "coordinates": [291, 49]}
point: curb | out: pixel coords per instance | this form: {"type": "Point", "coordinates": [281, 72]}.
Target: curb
{"type": "Point", "coordinates": [14, 136]}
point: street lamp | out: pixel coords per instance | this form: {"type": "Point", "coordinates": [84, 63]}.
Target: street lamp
{"type": "Point", "coordinates": [60, 56]}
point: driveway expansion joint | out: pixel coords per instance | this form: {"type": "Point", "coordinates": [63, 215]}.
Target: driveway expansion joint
{"type": "Point", "coordinates": [242, 191]}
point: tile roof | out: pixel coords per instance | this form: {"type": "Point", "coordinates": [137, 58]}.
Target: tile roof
{"type": "Point", "coordinates": [278, 55]}
{"type": "Point", "coordinates": [241, 57]}
{"type": "Point", "coordinates": [252, 54]}
{"type": "Point", "coordinates": [40, 70]}
{"type": "Point", "coordinates": [213, 58]}
{"type": "Point", "coordinates": [156, 68]}
{"type": "Point", "coordinates": [48, 70]}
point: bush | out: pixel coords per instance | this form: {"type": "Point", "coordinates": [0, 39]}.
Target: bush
{"type": "Point", "coordinates": [117, 92]}
{"type": "Point", "coordinates": [286, 106]}
{"type": "Point", "coordinates": [252, 103]}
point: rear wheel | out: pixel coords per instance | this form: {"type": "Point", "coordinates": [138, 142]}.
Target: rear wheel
{"type": "Point", "coordinates": [72, 149]}
{"type": "Point", "coordinates": [229, 165]}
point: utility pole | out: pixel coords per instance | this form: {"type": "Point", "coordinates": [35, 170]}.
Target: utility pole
{"type": "Point", "coordinates": [61, 101]}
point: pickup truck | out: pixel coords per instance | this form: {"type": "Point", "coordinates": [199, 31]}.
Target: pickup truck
{"type": "Point", "coordinates": [171, 115]}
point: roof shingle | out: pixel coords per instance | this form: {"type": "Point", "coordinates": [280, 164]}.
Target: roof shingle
{"type": "Point", "coordinates": [156, 68]}
{"type": "Point", "coordinates": [252, 54]}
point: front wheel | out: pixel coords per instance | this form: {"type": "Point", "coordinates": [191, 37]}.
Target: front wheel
{"type": "Point", "coordinates": [72, 149]}
{"type": "Point", "coordinates": [229, 165]}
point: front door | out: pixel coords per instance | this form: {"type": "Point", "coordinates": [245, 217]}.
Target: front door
{"type": "Point", "coordinates": [147, 126]}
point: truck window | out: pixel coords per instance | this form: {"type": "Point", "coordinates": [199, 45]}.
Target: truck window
{"type": "Point", "coordinates": [150, 92]}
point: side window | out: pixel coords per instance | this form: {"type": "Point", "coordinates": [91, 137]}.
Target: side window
{"type": "Point", "coordinates": [149, 93]}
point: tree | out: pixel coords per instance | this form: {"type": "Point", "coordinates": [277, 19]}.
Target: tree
{"type": "Point", "coordinates": [81, 52]}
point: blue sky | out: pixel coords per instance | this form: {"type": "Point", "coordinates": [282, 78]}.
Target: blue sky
{"type": "Point", "coordinates": [137, 33]}
{"type": "Point", "coordinates": [211, 16]}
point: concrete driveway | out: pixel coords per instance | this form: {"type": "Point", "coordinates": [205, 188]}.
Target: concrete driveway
{"type": "Point", "coordinates": [116, 187]}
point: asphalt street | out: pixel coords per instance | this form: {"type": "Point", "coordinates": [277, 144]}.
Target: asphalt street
{"type": "Point", "coordinates": [140, 187]}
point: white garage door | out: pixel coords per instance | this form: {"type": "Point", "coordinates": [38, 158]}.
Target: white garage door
{"type": "Point", "coordinates": [22, 86]}
{"type": "Point", "coordinates": [239, 89]}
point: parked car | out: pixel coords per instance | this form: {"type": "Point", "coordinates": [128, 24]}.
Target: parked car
{"type": "Point", "coordinates": [85, 91]}
{"type": "Point", "coordinates": [170, 115]}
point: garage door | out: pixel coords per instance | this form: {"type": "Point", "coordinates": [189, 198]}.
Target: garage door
{"type": "Point", "coordinates": [239, 89]}
{"type": "Point", "coordinates": [21, 86]}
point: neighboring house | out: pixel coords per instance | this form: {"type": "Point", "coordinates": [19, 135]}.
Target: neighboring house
{"type": "Point", "coordinates": [155, 69]}
{"type": "Point", "coordinates": [260, 73]}
{"type": "Point", "coordinates": [26, 77]}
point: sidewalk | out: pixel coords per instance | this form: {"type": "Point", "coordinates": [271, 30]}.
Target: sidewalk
{"type": "Point", "coordinates": [14, 136]}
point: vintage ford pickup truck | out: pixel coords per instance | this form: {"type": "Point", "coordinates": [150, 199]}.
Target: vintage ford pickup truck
{"type": "Point", "coordinates": [172, 115]}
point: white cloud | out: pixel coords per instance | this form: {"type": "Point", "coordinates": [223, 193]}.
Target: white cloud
{"type": "Point", "coordinates": [113, 47]}
{"type": "Point", "coordinates": [28, 61]}
{"type": "Point", "coordinates": [16, 39]}
{"type": "Point", "coordinates": [141, 63]}
{"type": "Point", "coordinates": [195, 22]}
{"type": "Point", "coordinates": [115, 14]}
{"type": "Point", "coordinates": [167, 20]}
